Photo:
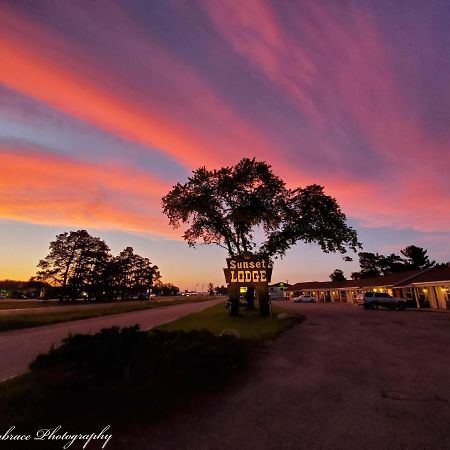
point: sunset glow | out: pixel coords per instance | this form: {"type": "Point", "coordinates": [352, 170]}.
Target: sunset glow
{"type": "Point", "coordinates": [105, 106]}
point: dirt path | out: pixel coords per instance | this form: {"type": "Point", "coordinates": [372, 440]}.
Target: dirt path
{"type": "Point", "coordinates": [19, 347]}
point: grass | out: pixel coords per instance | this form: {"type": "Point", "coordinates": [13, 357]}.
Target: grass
{"type": "Point", "coordinates": [24, 320]}
{"type": "Point", "coordinates": [119, 377]}
{"type": "Point", "coordinates": [127, 377]}
{"type": "Point", "coordinates": [250, 324]}
{"type": "Point", "coordinates": [20, 304]}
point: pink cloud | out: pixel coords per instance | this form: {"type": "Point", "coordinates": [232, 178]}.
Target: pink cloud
{"type": "Point", "coordinates": [45, 189]}
{"type": "Point", "coordinates": [333, 68]}
{"type": "Point", "coordinates": [254, 32]}
{"type": "Point", "coordinates": [77, 84]}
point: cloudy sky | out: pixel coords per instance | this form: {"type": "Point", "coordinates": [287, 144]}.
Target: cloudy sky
{"type": "Point", "coordinates": [104, 105]}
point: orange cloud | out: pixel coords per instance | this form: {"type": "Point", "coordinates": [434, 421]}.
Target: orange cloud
{"type": "Point", "coordinates": [79, 91]}
{"type": "Point", "coordinates": [45, 189]}
{"type": "Point", "coordinates": [334, 74]}
{"type": "Point", "coordinates": [338, 75]}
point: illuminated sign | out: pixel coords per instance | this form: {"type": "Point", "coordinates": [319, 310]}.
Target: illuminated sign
{"type": "Point", "coordinates": [248, 269]}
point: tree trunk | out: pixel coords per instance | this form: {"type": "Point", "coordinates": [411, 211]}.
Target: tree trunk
{"type": "Point", "coordinates": [264, 302]}
{"type": "Point", "coordinates": [250, 297]}
{"type": "Point", "coordinates": [233, 300]}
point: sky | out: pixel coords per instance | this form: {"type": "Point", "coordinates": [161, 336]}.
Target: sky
{"type": "Point", "coordinates": [105, 105]}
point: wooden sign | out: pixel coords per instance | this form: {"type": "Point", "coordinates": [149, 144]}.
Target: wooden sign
{"type": "Point", "coordinates": [248, 269]}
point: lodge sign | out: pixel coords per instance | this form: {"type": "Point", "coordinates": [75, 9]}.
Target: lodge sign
{"type": "Point", "coordinates": [248, 270]}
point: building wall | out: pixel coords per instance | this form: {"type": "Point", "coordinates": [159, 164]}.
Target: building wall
{"type": "Point", "coordinates": [278, 293]}
{"type": "Point", "coordinates": [434, 295]}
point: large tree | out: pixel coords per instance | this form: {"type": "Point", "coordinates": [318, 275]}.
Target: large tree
{"type": "Point", "coordinates": [374, 264]}
{"type": "Point", "coordinates": [227, 206]}
{"type": "Point", "coordinates": [75, 262]}
{"type": "Point", "coordinates": [132, 274]}
{"type": "Point", "coordinates": [337, 275]}
{"type": "Point", "coordinates": [416, 257]}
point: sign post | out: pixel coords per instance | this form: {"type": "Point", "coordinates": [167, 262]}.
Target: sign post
{"type": "Point", "coordinates": [248, 270]}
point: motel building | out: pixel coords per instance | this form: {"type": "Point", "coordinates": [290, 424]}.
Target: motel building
{"type": "Point", "coordinates": [279, 291]}
{"type": "Point", "coordinates": [428, 288]}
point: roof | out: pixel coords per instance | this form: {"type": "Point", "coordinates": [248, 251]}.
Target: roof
{"type": "Point", "coordinates": [280, 284]}
{"type": "Point", "coordinates": [389, 280]}
{"type": "Point", "coordinates": [383, 281]}
{"type": "Point", "coordinates": [317, 285]}
{"type": "Point", "coordinates": [435, 274]}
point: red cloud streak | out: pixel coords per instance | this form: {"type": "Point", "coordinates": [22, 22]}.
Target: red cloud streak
{"type": "Point", "coordinates": [46, 189]}
{"type": "Point", "coordinates": [26, 68]}
{"type": "Point", "coordinates": [321, 82]}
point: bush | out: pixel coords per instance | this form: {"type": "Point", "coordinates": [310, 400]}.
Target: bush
{"type": "Point", "coordinates": [122, 375]}
{"type": "Point", "coordinates": [117, 355]}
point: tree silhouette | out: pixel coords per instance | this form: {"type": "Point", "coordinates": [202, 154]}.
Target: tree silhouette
{"type": "Point", "coordinates": [76, 260]}
{"type": "Point", "coordinates": [81, 264]}
{"type": "Point", "coordinates": [416, 257]}
{"type": "Point", "coordinates": [337, 275]}
{"type": "Point", "coordinates": [221, 290]}
{"type": "Point", "coordinates": [225, 207]}
{"type": "Point", "coordinates": [374, 264]}
{"type": "Point", "coordinates": [165, 289]}
{"type": "Point", "coordinates": [132, 274]}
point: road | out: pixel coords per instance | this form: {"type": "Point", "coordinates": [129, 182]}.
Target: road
{"type": "Point", "coordinates": [343, 379]}
{"type": "Point", "coordinates": [19, 347]}
{"type": "Point", "coordinates": [52, 306]}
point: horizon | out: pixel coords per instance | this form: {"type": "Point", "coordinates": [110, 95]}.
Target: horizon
{"type": "Point", "coordinates": [103, 109]}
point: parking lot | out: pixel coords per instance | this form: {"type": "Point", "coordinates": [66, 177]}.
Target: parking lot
{"type": "Point", "coordinates": [345, 378]}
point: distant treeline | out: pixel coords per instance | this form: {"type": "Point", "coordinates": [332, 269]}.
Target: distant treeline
{"type": "Point", "coordinates": [375, 265]}
{"type": "Point", "coordinates": [21, 289]}
{"type": "Point", "coordinates": [80, 265]}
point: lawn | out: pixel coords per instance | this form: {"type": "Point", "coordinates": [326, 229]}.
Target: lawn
{"type": "Point", "coordinates": [85, 311]}
{"type": "Point", "coordinates": [21, 304]}
{"type": "Point", "coordinates": [250, 324]}
{"type": "Point", "coordinates": [126, 377]}
{"type": "Point", "coordinates": [119, 377]}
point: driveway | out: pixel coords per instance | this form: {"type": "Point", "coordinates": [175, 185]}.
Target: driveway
{"type": "Point", "coordinates": [18, 348]}
{"type": "Point", "coordinates": [343, 379]}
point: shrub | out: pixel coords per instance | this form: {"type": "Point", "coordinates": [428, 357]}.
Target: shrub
{"type": "Point", "coordinates": [116, 355]}
{"type": "Point", "coordinates": [122, 375]}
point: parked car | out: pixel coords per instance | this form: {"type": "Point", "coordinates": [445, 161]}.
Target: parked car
{"type": "Point", "coordinates": [304, 299]}
{"type": "Point", "coordinates": [373, 300]}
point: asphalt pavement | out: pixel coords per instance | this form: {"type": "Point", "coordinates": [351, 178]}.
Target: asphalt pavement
{"type": "Point", "coordinates": [345, 378]}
